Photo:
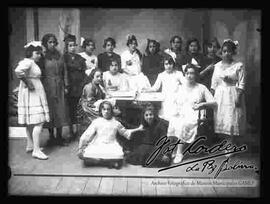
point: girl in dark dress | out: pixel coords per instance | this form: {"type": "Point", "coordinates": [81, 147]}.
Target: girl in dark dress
{"type": "Point", "coordinates": [193, 55]}
{"type": "Point", "coordinates": [53, 74]}
{"type": "Point", "coordinates": [144, 142]}
{"type": "Point", "coordinates": [152, 61]}
{"type": "Point", "coordinates": [76, 66]}
{"type": "Point", "coordinates": [210, 58]}
{"type": "Point", "coordinates": [104, 59]}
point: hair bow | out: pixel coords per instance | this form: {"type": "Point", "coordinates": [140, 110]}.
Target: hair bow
{"type": "Point", "coordinates": [82, 40]}
{"type": "Point", "coordinates": [234, 42]}
{"type": "Point", "coordinates": [33, 43]}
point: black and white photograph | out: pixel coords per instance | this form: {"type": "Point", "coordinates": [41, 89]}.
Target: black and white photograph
{"type": "Point", "coordinates": [145, 102]}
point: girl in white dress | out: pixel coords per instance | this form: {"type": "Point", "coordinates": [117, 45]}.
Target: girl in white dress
{"type": "Point", "coordinates": [113, 79]}
{"type": "Point", "coordinates": [90, 59]}
{"type": "Point", "coordinates": [190, 98]}
{"type": "Point", "coordinates": [168, 81]}
{"type": "Point", "coordinates": [228, 85]}
{"type": "Point", "coordinates": [98, 144]}
{"type": "Point", "coordinates": [32, 102]}
{"type": "Point", "coordinates": [131, 66]}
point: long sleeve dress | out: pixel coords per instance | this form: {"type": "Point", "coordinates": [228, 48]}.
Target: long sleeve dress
{"type": "Point", "coordinates": [169, 84]}
{"type": "Point", "coordinates": [32, 105]}
{"type": "Point", "coordinates": [132, 63]}
{"type": "Point", "coordinates": [103, 144]}
{"type": "Point", "coordinates": [54, 73]}
{"type": "Point", "coordinates": [146, 144]}
{"type": "Point", "coordinates": [184, 123]}
{"type": "Point", "coordinates": [87, 111]}
{"type": "Point", "coordinates": [229, 119]}
{"type": "Point", "coordinates": [76, 66]}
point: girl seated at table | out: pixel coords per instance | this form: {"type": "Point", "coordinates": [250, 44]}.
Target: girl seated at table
{"type": "Point", "coordinates": [98, 144]}
{"type": "Point", "coordinates": [92, 94]}
{"type": "Point", "coordinates": [168, 81]}
{"type": "Point", "coordinates": [113, 80]}
{"type": "Point", "coordinates": [190, 98]}
{"type": "Point", "coordinates": [131, 66]}
{"type": "Point", "coordinates": [144, 142]}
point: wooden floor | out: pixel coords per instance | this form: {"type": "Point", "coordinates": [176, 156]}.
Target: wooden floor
{"type": "Point", "coordinates": [109, 185]}
{"type": "Point", "coordinates": [115, 186]}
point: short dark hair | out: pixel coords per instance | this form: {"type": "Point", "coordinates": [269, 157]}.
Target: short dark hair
{"type": "Point", "coordinates": [167, 57]}
{"type": "Point", "coordinates": [157, 44]}
{"type": "Point", "coordinates": [230, 45]}
{"type": "Point", "coordinates": [101, 106]}
{"type": "Point", "coordinates": [209, 43]}
{"type": "Point", "coordinates": [194, 67]}
{"type": "Point", "coordinates": [45, 39]}
{"type": "Point", "coordinates": [174, 37]}
{"type": "Point", "coordinates": [149, 107]}
{"type": "Point", "coordinates": [86, 43]}
{"type": "Point", "coordinates": [109, 39]}
{"type": "Point", "coordinates": [132, 38]}
{"type": "Point", "coordinates": [30, 49]}
{"type": "Point", "coordinates": [191, 40]}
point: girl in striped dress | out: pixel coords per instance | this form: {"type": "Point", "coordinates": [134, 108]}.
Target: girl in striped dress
{"type": "Point", "coordinates": [32, 103]}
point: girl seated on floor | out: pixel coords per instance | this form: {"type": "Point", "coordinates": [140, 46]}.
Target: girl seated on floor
{"type": "Point", "coordinates": [98, 144]}
{"type": "Point", "coordinates": [144, 142]}
{"type": "Point", "coordinates": [113, 80]}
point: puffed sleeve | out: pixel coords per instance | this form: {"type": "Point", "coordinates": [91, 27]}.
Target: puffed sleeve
{"type": "Point", "coordinates": [123, 131]}
{"type": "Point", "coordinates": [241, 74]}
{"type": "Point", "coordinates": [22, 68]}
{"type": "Point", "coordinates": [90, 132]}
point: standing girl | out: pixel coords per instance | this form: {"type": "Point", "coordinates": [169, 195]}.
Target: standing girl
{"type": "Point", "coordinates": [76, 66]}
{"type": "Point", "coordinates": [131, 65]}
{"type": "Point", "coordinates": [152, 61]}
{"type": "Point", "coordinates": [104, 59]}
{"type": "Point", "coordinates": [190, 98]}
{"type": "Point", "coordinates": [209, 60]}
{"type": "Point", "coordinates": [193, 55]}
{"type": "Point", "coordinates": [32, 103]}
{"type": "Point", "coordinates": [228, 85]}
{"type": "Point", "coordinates": [168, 81]}
{"type": "Point", "coordinates": [54, 73]}
{"type": "Point", "coordinates": [91, 60]}
{"type": "Point", "coordinates": [98, 144]}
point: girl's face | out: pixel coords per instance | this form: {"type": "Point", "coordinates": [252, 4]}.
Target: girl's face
{"type": "Point", "coordinates": [114, 68]}
{"type": "Point", "coordinates": [190, 75]}
{"type": "Point", "coordinates": [193, 47]}
{"type": "Point", "coordinates": [168, 67]}
{"type": "Point", "coordinates": [212, 49]}
{"type": "Point", "coordinates": [176, 44]}
{"type": "Point", "coordinates": [71, 47]}
{"type": "Point", "coordinates": [97, 77]}
{"type": "Point", "coordinates": [90, 48]}
{"type": "Point", "coordinates": [109, 47]}
{"type": "Point", "coordinates": [106, 111]}
{"type": "Point", "coordinates": [132, 46]}
{"type": "Point", "coordinates": [152, 47]}
{"type": "Point", "coordinates": [36, 55]}
{"type": "Point", "coordinates": [51, 43]}
{"type": "Point", "coordinates": [226, 53]}
{"type": "Point", "coordinates": [149, 116]}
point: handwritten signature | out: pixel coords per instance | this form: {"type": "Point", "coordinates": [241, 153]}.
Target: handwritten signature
{"type": "Point", "coordinates": [166, 145]}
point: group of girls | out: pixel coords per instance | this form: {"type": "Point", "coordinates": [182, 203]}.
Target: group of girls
{"type": "Point", "coordinates": [59, 89]}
